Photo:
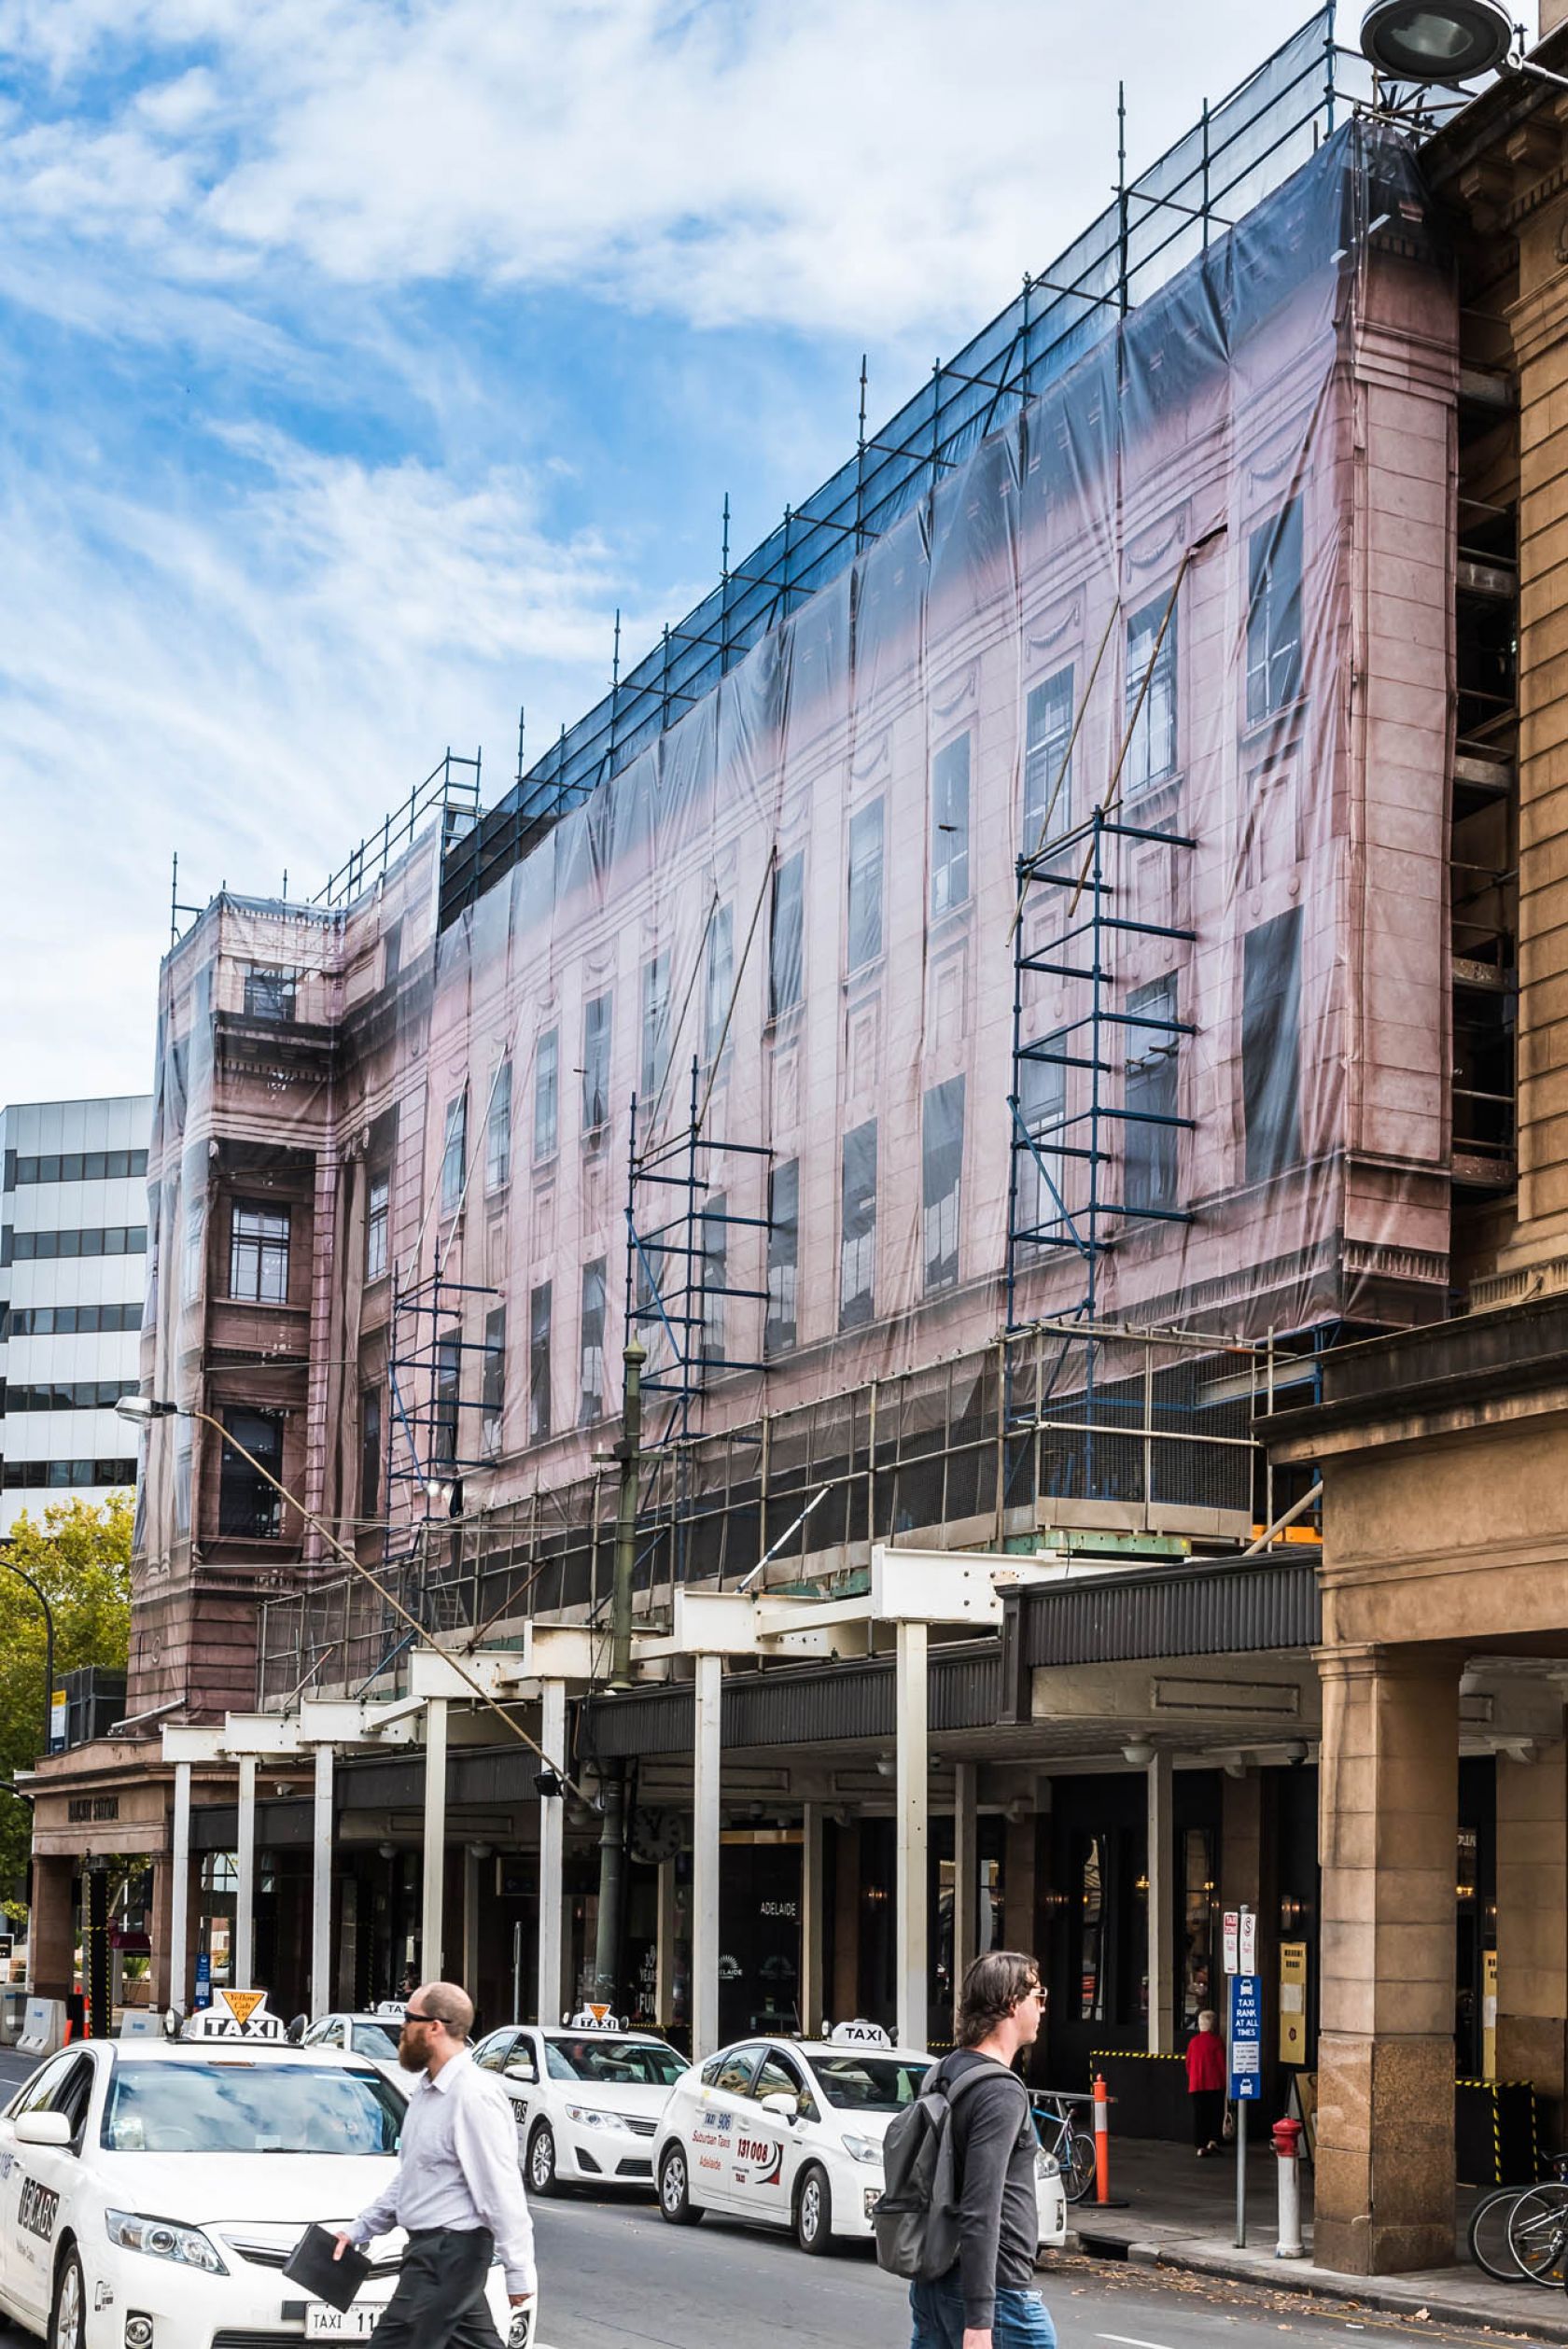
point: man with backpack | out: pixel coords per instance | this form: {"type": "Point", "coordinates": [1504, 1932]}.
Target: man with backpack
{"type": "Point", "coordinates": [959, 2216]}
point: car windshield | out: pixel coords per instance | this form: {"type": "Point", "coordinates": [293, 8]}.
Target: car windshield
{"type": "Point", "coordinates": [374, 2040]}
{"type": "Point", "coordinates": [869, 2083]}
{"type": "Point", "coordinates": [608, 2062]}
{"type": "Point", "coordinates": [237, 2105]}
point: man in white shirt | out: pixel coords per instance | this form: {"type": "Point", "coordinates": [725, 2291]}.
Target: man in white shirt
{"type": "Point", "coordinates": [458, 2190]}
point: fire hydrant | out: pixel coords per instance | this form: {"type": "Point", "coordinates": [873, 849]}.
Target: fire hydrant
{"type": "Point", "coordinates": [1287, 2144]}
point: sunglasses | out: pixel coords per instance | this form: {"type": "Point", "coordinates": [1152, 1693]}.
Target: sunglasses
{"type": "Point", "coordinates": [409, 2016]}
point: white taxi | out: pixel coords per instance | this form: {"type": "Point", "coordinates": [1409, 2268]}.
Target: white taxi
{"type": "Point", "coordinates": [373, 2035]}
{"type": "Point", "coordinates": [150, 2193]}
{"type": "Point", "coordinates": [790, 2133]}
{"type": "Point", "coordinates": [587, 2100]}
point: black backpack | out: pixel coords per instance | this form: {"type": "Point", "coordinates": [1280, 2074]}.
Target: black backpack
{"type": "Point", "coordinates": [916, 2222]}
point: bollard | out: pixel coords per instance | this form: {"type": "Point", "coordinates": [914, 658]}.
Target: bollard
{"type": "Point", "coordinates": [1287, 2144]}
{"type": "Point", "coordinates": [1102, 2141]}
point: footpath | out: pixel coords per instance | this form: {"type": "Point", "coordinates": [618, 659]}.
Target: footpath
{"type": "Point", "coordinates": [1181, 2213]}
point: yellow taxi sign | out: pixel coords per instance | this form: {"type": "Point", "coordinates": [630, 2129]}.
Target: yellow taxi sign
{"type": "Point", "coordinates": [241, 2003]}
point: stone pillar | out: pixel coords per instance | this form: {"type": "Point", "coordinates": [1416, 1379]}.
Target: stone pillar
{"type": "Point", "coordinates": [966, 1873]}
{"type": "Point", "coordinates": [1533, 1923]}
{"type": "Point", "coordinates": [707, 1696]}
{"type": "Point", "coordinates": [912, 1838]}
{"type": "Point", "coordinates": [553, 1737]}
{"type": "Point", "coordinates": [51, 1931]}
{"type": "Point", "coordinates": [812, 1919]}
{"type": "Point", "coordinates": [846, 1923]}
{"type": "Point", "coordinates": [182, 1908]}
{"type": "Point", "coordinates": [666, 1927]}
{"type": "Point", "coordinates": [1388, 1833]}
{"type": "Point", "coordinates": [245, 1876]}
{"type": "Point", "coordinates": [432, 1918]}
{"type": "Point", "coordinates": [1020, 1890]}
{"type": "Point", "coordinates": [1161, 1905]}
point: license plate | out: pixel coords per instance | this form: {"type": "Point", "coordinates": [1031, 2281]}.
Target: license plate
{"type": "Point", "coordinates": [332, 2324]}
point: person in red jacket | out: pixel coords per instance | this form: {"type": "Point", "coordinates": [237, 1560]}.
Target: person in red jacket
{"type": "Point", "coordinates": [1206, 2084]}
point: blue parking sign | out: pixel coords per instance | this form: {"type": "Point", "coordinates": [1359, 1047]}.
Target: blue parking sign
{"type": "Point", "coordinates": [1246, 2038]}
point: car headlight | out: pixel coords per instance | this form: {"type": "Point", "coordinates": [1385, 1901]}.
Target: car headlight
{"type": "Point", "coordinates": [1046, 2165]}
{"type": "Point", "coordinates": [161, 2239]}
{"type": "Point", "coordinates": [861, 2149]}
{"type": "Point", "coordinates": [591, 2117]}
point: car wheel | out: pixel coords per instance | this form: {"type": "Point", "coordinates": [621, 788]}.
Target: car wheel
{"type": "Point", "coordinates": [541, 2160]}
{"type": "Point", "coordinates": [814, 2211]}
{"type": "Point", "coordinates": [674, 2198]}
{"type": "Point", "coordinates": [68, 2316]}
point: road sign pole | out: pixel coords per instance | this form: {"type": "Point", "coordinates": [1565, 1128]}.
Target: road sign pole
{"type": "Point", "coordinates": [1241, 2178]}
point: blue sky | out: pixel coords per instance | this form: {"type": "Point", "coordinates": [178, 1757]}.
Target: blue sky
{"type": "Point", "coordinates": [359, 357]}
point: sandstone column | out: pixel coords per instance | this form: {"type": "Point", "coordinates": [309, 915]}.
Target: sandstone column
{"type": "Point", "coordinates": [1533, 1923]}
{"type": "Point", "coordinates": [52, 1928]}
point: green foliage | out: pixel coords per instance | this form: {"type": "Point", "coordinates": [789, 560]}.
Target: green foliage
{"type": "Point", "coordinates": [81, 1559]}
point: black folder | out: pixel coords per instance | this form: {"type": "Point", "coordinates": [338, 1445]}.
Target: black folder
{"type": "Point", "coordinates": [334, 2281]}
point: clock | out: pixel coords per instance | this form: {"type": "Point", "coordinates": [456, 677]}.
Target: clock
{"type": "Point", "coordinates": [655, 1834]}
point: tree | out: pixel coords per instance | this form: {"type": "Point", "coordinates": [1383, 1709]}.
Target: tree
{"type": "Point", "coordinates": [81, 1559]}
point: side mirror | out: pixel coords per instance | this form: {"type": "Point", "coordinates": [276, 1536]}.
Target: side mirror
{"type": "Point", "coordinates": [296, 2030]}
{"type": "Point", "coordinates": [43, 2129]}
{"type": "Point", "coordinates": [782, 2104]}
{"type": "Point", "coordinates": [521, 2071]}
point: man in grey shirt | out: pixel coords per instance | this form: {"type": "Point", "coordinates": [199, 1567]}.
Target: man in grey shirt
{"type": "Point", "coordinates": [458, 2190]}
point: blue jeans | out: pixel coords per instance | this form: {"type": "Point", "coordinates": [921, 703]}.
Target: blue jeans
{"type": "Point", "coordinates": [1021, 2321]}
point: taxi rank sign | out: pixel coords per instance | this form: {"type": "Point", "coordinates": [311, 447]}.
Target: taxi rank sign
{"type": "Point", "coordinates": [1246, 2037]}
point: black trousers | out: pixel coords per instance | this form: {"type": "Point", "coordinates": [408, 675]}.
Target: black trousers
{"type": "Point", "coordinates": [439, 2301]}
{"type": "Point", "coordinates": [1208, 2115]}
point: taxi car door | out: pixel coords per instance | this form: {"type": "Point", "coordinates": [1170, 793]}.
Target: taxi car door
{"type": "Point", "coordinates": [33, 2098]}
{"type": "Point", "coordinates": [43, 2182]}
{"type": "Point", "coordinates": [722, 2117]}
{"type": "Point", "coordinates": [770, 2144]}
{"type": "Point", "coordinates": [515, 2058]}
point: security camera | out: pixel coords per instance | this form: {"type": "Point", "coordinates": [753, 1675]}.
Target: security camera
{"type": "Point", "coordinates": [1295, 1753]}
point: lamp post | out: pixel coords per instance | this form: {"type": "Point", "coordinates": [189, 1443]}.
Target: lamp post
{"type": "Point", "coordinates": [1447, 41]}
{"type": "Point", "coordinates": [11, 1567]}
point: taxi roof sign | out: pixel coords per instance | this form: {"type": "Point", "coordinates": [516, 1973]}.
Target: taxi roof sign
{"type": "Point", "coordinates": [858, 2034]}
{"type": "Point", "coordinates": [241, 2003]}
{"type": "Point", "coordinates": [242, 2015]}
{"type": "Point", "coordinates": [595, 2016]}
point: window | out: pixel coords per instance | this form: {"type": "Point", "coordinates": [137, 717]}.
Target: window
{"type": "Point", "coordinates": [941, 1179]}
{"type": "Point", "coordinates": [249, 1509]}
{"type": "Point", "coordinates": [783, 1257]}
{"type": "Point", "coordinates": [1149, 1179]}
{"type": "Point", "coordinates": [731, 2073]}
{"type": "Point", "coordinates": [714, 1243]}
{"type": "Point", "coordinates": [76, 1166]}
{"type": "Point", "coordinates": [1272, 1044]}
{"type": "Point", "coordinates": [864, 942]}
{"type": "Point", "coordinates": [449, 1395]}
{"type": "Point", "coordinates": [66, 1320]}
{"type": "Point", "coordinates": [857, 1260]}
{"type": "Point", "coordinates": [269, 993]}
{"type": "Point", "coordinates": [776, 2076]}
{"type": "Point", "coordinates": [67, 1394]}
{"type": "Point", "coordinates": [1047, 777]}
{"type": "Point", "coordinates": [1152, 746]}
{"type": "Point", "coordinates": [112, 1239]}
{"type": "Point", "coordinates": [655, 1027]}
{"type": "Point", "coordinates": [184, 1432]}
{"type": "Point", "coordinates": [1043, 1109]}
{"type": "Point", "coordinates": [193, 1271]}
{"type": "Point", "coordinates": [787, 957]}
{"type": "Point", "coordinates": [1274, 613]}
{"type": "Point", "coordinates": [547, 1094]}
{"type": "Point", "coordinates": [378, 1210]}
{"type": "Point", "coordinates": [455, 1154]}
{"type": "Point", "coordinates": [392, 953]}
{"type": "Point", "coordinates": [950, 826]}
{"type": "Point", "coordinates": [369, 1452]}
{"type": "Point", "coordinates": [492, 1391]}
{"type": "Point", "coordinates": [591, 1342]}
{"type": "Point", "coordinates": [720, 981]}
{"type": "Point", "coordinates": [1091, 1930]}
{"type": "Point", "coordinates": [498, 1131]}
{"type": "Point", "coordinates": [59, 1474]}
{"type": "Point", "coordinates": [538, 1362]}
{"type": "Point", "coordinates": [259, 1252]}
{"type": "Point", "coordinates": [595, 1064]}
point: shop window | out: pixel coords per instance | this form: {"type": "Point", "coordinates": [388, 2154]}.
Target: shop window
{"type": "Point", "coordinates": [1198, 1973]}
{"type": "Point", "coordinates": [183, 1452]}
{"type": "Point", "coordinates": [1152, 744]}
{"type": "Point", "coordinates": [864, 938]}
{"type": "Point", "coordinates": [269, 993]}
{"type": "Point", "coordinates": [783, 1261]}
{"type": "Point", "coordinates": [591, 1345]}
{"type": "Point", "coordinates": [1149, 1098]}
{"type": "Point", "coordinates": [369, 1452]}
{"type": "Point", "coordinates": [941, 1133]}
{"type": "Point", "coordinates": [492, 1391]}
{"type": "Point", "coordinates": [719, 981]}
{"type": "Point", "coordinates": [714, 1243]}
{"type": "Point", "coordinates": [449, 1396]}
{"type": "Point", "coordinates": [1271, 1045]}
{"type": "Point", "coordinates": [949, 853]}
{"type": "Point", "coordinates": [392, 953]}
{"type": "Point", "coordinates": [249, 1509]}
{"type": "Point", "coordinates": [1092, 1985]}
{"type": "Point", "coordinates": [857, 1268]}
{"type": "Point", "coordinates": [538, 1362]}
{"type": "Point", "coordinates": [786, 961]}
{"type": "Point", "coordinates": [498, 1131]}
{"type": "Point", "coordinates": [455, 1154]}
{"type": "Point", "coordinates": [1274, 613]}
{"type": "Point", "coordinates": [259, 1254]}
{"type": "Point", "coordinates": [378, 1218]}
{"type": "Point", "coordinates": [1043, 1109]}
{"type": "Point", "coordinates": [596, 1065]}
{"type": "Point", "coordinates": [655, 1027]}
{"type": "Point", "coordinates": [1047, 777]}
{"type": "Point", "coordinates": [547, 1096]}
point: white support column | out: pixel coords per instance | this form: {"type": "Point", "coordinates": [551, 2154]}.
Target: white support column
{"type": "Point", "coordinates": [179, 1891]}
{"type": "Point", "coordinates": [321, 1886]}
{"type": "Point", "coordinates": [811, 1919]}
{"type": "Point", "coordinates": [552, 1736]}
{"type": "Point", "coordinates": [1161, 1871]}
{"type": "Point", "coordinates": [666, 1922]}
{"type": "Point", "coordinates": [704, 1858]}
{"type": "Point", "coordinates": [912, 1834]}
{"type": "Point", "coordinates": [432, 1920]}
{"type": "Point", "coordinates": [244, 1872]}
{"type": "Point", "coordinates": [966, 1873]}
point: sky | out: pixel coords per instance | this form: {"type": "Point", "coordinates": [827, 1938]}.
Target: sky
{"type": "Point", "coordinates": [360, 358]}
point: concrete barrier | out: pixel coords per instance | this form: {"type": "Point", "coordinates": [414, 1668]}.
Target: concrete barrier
{"type": "Point", "coordinates": [43, 2027]}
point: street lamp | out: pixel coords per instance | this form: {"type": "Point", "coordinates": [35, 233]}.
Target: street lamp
{"type": "Point", "coordinates": [11, 1567]}
{"type": "Point", "coordinates": [1435, 40]}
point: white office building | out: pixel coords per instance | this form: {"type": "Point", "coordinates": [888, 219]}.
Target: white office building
{"type": "Point", "coordinates": [73, 1271]}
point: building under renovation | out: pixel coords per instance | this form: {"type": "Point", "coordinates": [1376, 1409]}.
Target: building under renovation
{"type": "Point", "coordinates": [989, 1011]}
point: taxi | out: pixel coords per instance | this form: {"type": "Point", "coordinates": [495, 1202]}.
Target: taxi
{"type": "Point", "coordinates": [372, 2035]}
{"type": "Point", "coordinates": [152, 2190]}
{"type": "Point", "coordinates": [789, 2133]}
{"type": "Point", "coordinates": [587, 2096]}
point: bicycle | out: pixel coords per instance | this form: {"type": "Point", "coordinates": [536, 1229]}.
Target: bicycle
{"type": "Point", "coordinates": [1538, 2233]}
{"type": "Point", "coordinates": [1492, 2224]}
{"type": "Point", "coordinates": [1072, 2146]}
